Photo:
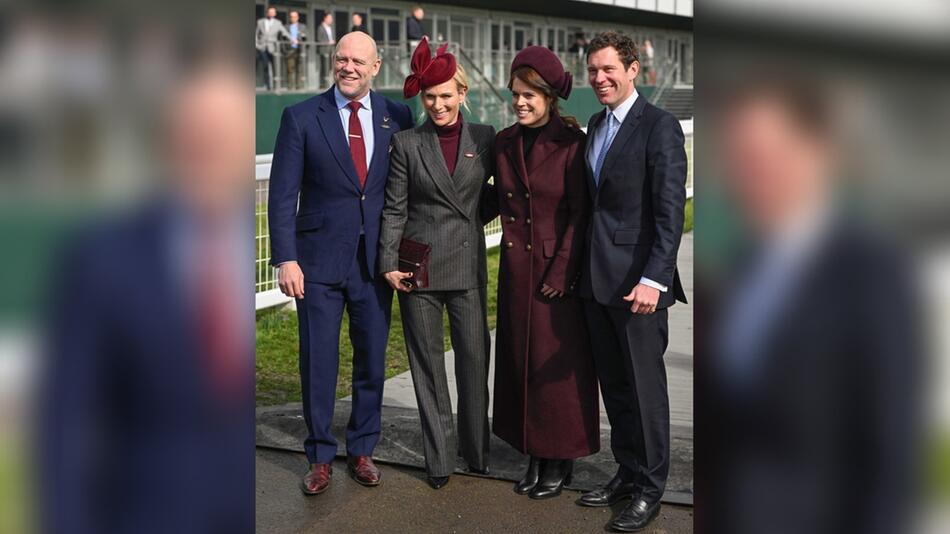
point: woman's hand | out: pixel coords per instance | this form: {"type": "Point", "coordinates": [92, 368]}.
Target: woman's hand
{"type": "Point", "coordinates": [395, 280]}
{"type": "Point", "coordinates": [550, 292]}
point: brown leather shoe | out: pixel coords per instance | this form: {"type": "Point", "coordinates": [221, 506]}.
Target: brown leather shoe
{"type": "Point", "coordinates": [317, 480]}
{"type": "Point", "coordinates": [362, 470]}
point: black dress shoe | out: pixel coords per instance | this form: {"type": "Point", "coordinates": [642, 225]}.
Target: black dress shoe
{"type": "Point", "coordinates": [554, 476]}
{"type": "Point", "coordinates": [530, 478]}
{"type": "Point", "coordinates": [437, 482]}
{"type": "Point", "coordinates": [635, 517]}
{"type": "Point", "coordinates": [616, 490]}
{"type": "Point", "coordinates": [483, 471]}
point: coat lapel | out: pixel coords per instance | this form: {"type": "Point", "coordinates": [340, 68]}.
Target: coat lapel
{"type": "Point", "coordinates": [515, 152]}
{"type": "Point", "coordinates": [329, 117]}
{"type": "Point", "coordinates": [546, 144]}
{"type": "Point", "coordinates": [434, 162]}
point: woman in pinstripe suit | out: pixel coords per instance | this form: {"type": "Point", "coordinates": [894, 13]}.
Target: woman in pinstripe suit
{"type": "Point", "coordinates": [437, 172]}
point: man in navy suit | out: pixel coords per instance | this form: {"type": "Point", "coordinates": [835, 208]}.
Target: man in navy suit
{"type": "Point", "coordinates": [332, 152]}
{"type": "Point", "coordinates": [636, 166]}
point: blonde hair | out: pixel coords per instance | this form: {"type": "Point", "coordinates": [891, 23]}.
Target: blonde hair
{"type": "Point", "coordinates": [461, 82]}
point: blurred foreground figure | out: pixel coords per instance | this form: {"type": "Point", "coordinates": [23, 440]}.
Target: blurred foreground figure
{"type": "Point", "coordinates": [147, 421]}
{"type": "Point", "coordinates": [806, 399]}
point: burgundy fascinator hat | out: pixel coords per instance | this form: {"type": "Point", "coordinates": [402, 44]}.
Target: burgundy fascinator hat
{"type": "Point", "coordinates": [428, 71]}
{"type": "Point", "coordinates": [548, 66]}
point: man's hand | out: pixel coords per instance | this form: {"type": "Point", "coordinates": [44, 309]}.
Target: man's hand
{"type": "Point", "coordinates": [290, 279]}
{"type": "Point", "coordinates": [395, 279]}
{"type": "Point", "coordinates": [644, 299]}
{"type": "Point", "coordinates": [550, 292]}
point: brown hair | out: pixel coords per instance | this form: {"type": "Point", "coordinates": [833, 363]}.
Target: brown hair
{"type": "Point", "coordinates": [534, 80]}
{"type": "Point", "coordinates": [625, 47]}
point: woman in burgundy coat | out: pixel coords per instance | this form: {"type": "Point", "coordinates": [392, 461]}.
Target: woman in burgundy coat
{"type": "Point", "coordinates": [545, 385]}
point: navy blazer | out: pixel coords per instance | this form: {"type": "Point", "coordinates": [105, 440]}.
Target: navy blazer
{"type": "Point", "coordinates": [637, 217]}
{"type": "Point", "coordinates": [312, 159]}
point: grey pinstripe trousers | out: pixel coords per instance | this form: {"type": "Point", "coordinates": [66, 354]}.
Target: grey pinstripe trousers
{"type": "Point", "coordinates": [422, 325]}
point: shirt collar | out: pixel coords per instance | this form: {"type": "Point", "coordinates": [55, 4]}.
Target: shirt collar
{"type": "Point", "coordinates": [342, 101]}
{"type": "Point", "coordinates": [621, 111]}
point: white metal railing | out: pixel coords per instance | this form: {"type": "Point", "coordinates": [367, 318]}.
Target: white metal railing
{"type": "Point", "coordinates": [266, 291]}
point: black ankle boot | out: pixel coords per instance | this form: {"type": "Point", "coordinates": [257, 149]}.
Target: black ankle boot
{"type": "Point", "coordinates": [555, 475]}
{"type": "Point", "coordinates": [530, 478]}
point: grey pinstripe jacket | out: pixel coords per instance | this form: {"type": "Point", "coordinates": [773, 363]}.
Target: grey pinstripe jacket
{"type": "Point", "coordinates": [425, 204]}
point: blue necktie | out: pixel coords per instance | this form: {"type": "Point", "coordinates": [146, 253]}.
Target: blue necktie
{"type": "Point", "coordinates": [612, 126]}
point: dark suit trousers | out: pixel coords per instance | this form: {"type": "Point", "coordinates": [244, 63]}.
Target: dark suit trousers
{"type": "Point", "coordinates": [422, 325]}
{"type": "Point", "coordinates": [628, 355]}
{"type": "Point", "coordinates": [320, 312]}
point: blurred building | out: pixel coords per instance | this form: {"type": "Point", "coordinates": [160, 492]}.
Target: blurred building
{"type": "Point", "coordinates": [486, 35]}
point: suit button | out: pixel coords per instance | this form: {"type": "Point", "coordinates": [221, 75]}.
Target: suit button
{"type": "Point", "coordinates": [511, 219]}
{"type": "Point", "coordinates": [509, 244]}
{"type": "Point", "coordinates": [527, 195]}
{"type": "Point", "coordinates": [528, 221]}
{"type": "Point", "coordinates": [510, 195]}
{"type": "Point", "coordinates": [363, 197]}
{"type": "Point", "coordinates": [465, 243]}
{"type": "Point", "coordinates": [528, 246]}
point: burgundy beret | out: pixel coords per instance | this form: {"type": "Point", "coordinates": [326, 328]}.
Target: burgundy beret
{"type": "Point", "coordinates": [547, 65]}
{"type": "Point", "coordinates": [428, 71]}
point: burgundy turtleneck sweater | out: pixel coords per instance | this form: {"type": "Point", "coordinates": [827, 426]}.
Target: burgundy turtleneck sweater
{"type": "Point", "coordinates": [449, 142]}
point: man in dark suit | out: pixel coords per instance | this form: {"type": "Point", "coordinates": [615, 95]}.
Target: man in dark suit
{"type": "Point", "coordinates": [145, 420]}
{"type": "Point", "coordinates": [332, 152]}
{"type": "Point", "coordinates": [414, 29]}
{"type": "Point", "coordinates": [636, 166]}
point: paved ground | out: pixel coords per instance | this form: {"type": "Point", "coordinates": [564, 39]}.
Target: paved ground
{"type": "Point", "coordinates": [404, 503]}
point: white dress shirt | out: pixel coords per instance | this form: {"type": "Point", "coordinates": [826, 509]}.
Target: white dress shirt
{"type": "Point", "coordinates": [365, 115]}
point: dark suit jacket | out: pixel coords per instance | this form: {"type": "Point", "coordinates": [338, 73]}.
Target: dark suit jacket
{"type": "Point", "coordinates": [637, 217]}
{"type": "Point", "coordinates": [828, 419]}
{"type": "Point", "coordinates": [127, 394]}
{"type": "Point", "coordinates": [425, 204]}
{"type": "Point", "coordinates": [312, 159]}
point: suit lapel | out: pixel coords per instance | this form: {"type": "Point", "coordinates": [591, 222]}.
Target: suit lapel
{"type": "Point", "coordinates": [434, 162]}
{"type": "Point", "coordinates": [630, 124]}
{"type": "Point", "coordinates": [591, 131]}
{"type": "Point", "coordinates": [329, 117]}
{"type": "Point", "coordinates": [466, 146]}
{"type": "Point", "coordinates": [382, 132]}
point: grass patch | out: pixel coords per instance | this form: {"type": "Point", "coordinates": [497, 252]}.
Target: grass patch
{"type": "Point", "coordinates": [277, 366]}
{"type": "Point", "coordinates": [688, 216]}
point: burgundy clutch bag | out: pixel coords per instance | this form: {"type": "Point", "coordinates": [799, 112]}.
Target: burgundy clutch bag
{"type": "Point", "coordinates": [414, 258]}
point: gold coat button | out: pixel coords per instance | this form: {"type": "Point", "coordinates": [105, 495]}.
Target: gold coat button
{"type": "Point", "coordinates": [511, 219]}
{"type": "Point", "coordinates": [527, 195]}
{"type": "Point", "coordinates": [527, 247]}
{"type": "Point", "coordinates": [528, 221]}
{"type": "Point", "coordinates": [510, 195]}
{"type": "Point", "coordinates": [509, 244]}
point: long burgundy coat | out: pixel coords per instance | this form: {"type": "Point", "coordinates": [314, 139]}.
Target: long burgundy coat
{"type": "Point", "coordinates": [545, 384]}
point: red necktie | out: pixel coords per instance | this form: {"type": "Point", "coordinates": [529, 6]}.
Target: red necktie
{"type": "Point", "coordinates": [357, 148]}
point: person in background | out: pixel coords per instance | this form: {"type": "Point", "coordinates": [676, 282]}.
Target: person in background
{"type": "Point", "coordinates": [326, 39]}
{"type": "Point", "coordinates": [647, 70]}
{"type": "Point", "coordinates": [298, 34]}
{"type": "Point", "coordinates": [636, 162]}
{"type": "Point", "coordinates": [545, 385]}
{"type": "Point", "coordinates": [358, 26]}
{"type": "Point", "coordinates": [436, 177]}
{"type": "Point", "coordinates": [414, 29]}
{"type": "Point", "coordinates": [269, 30]}
{"type": "Point", "coordinates": [330, 165]}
